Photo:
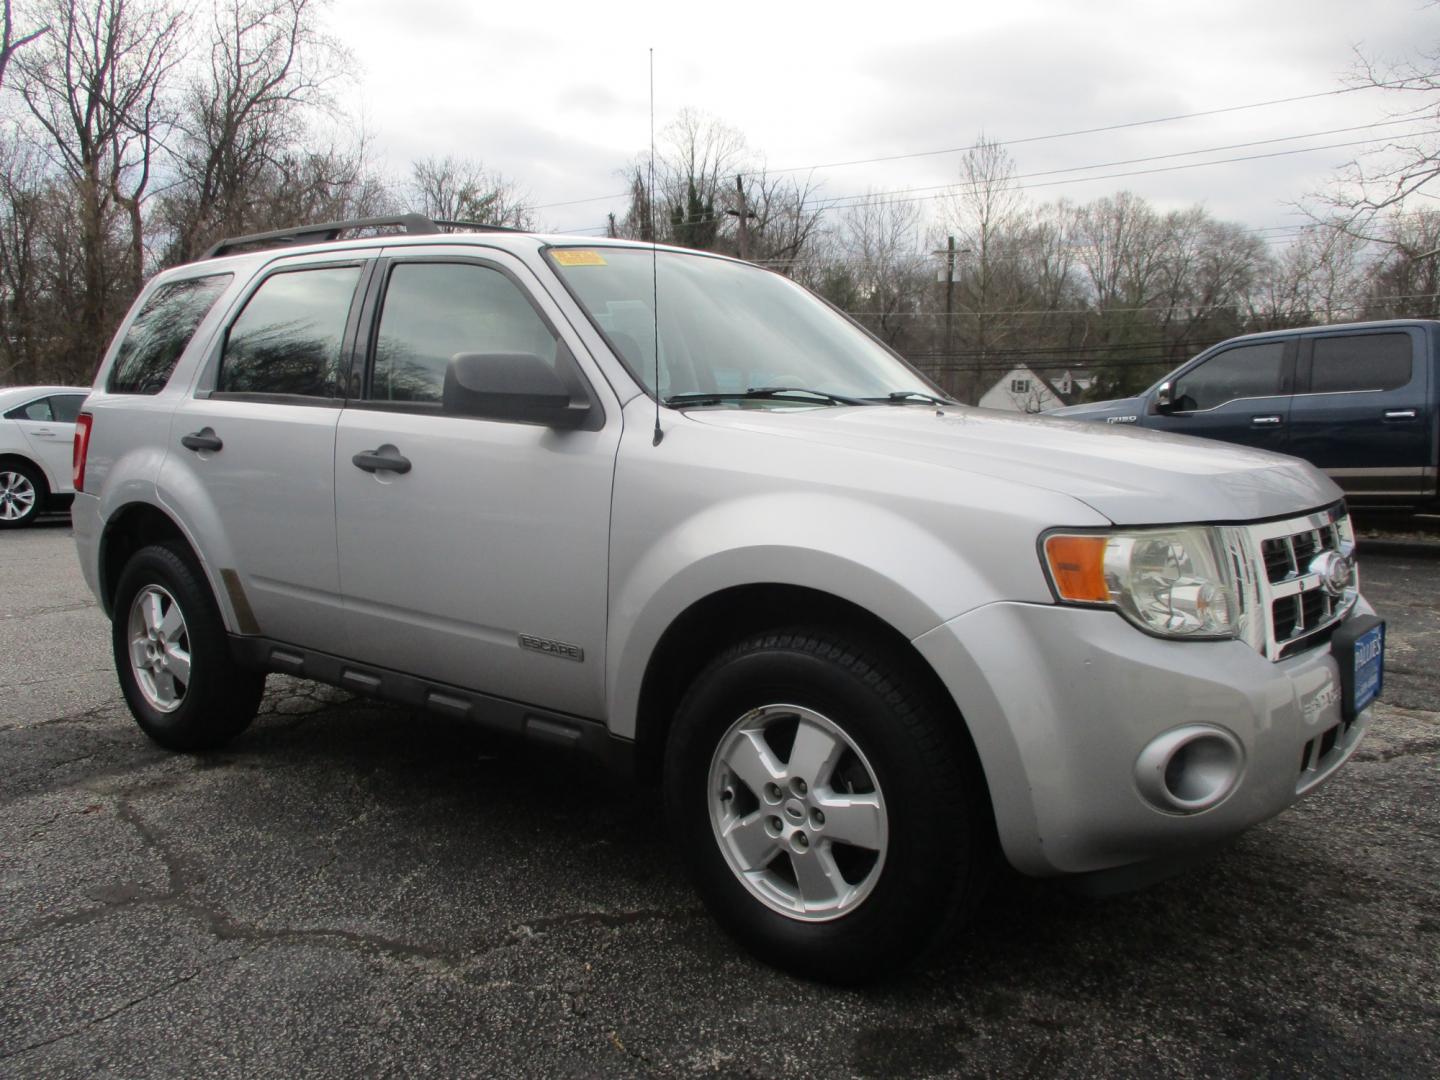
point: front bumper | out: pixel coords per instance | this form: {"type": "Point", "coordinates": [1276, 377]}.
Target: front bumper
{"type": "Point", "coordinates": [1062, 701]}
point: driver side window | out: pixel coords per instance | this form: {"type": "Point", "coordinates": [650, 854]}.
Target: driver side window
{"type": "Point", "coordinates": [1248, 371]}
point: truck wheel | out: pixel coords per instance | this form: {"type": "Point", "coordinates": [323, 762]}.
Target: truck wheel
{"type": "Point", "coordinates": [173, 656]}
{"type": "Point", "coordinates": [22, 495]}
{"type": "Point", "coordinates": [833, 819]}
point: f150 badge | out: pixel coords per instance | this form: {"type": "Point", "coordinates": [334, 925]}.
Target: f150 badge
{"type": "Point", "coordinates": [1122, 419]}
{"type": "Point", "coordinates": [562, 649]}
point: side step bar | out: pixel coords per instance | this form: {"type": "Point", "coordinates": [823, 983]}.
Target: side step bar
{"type": "Point", "coordinates": [576, 734]}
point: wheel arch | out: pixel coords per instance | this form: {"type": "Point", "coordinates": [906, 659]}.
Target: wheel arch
{"type": "Point", "coordinates": [721, 618]}
{"type": "Point", "coordinates": [131, 528]}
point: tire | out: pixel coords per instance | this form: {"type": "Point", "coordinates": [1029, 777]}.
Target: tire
{"type": "Point", "coordinates": [173, 655]}
{"type": "Point", "coordinates": [904, 818]}
{"type": "Point", "coordinates": [23, 494]}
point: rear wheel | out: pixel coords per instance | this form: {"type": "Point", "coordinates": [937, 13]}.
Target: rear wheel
{"type": "Point", "coordinates": [173, 656]}
{"type": "Point", "coordinates": [22, 495]}
{"type": "Point", "coordinates": [828, 811]}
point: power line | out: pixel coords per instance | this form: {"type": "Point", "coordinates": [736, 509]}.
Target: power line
{"type": "Point", "coordinates": [859, 200]}
{"type": "Point", "coordinates": [1130, 310]}
{"type": "Point", "coordinates": [1031, 138]}
{"type": "Point", "coordinates": [1098, 130]}
{"type": "Point", "coordinates": [846, 202]}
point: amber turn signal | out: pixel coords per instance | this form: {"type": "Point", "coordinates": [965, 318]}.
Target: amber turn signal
{"type": "Point", "coordinates": [1077, 566]}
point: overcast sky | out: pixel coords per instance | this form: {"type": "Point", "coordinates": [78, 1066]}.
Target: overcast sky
{"type": "Point", "coordinates": [554, 95]}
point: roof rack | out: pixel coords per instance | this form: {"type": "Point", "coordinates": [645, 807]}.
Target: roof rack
{"type": "Point", "coordinates": [409, 224]}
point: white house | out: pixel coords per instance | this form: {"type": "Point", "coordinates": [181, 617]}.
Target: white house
{"type": "Point", "coordinates": [1022, 390]}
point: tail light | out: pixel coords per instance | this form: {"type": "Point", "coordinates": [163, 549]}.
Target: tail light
{"type": "Point", "coordinates": [81, 448]}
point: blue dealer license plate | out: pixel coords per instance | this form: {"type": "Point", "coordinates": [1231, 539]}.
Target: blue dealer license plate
{"type": "Point", "coordinates": [1369, 660]}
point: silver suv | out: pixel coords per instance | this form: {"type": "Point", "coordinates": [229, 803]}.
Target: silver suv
{"type": "Point", "coordinates": [865, 639]}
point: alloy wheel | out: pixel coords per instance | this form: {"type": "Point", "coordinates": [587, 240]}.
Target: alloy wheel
{"type": "Point", "coordinates": [17, 496]}
{"type": "Point", "coordinates": [159, 648]}
{"type": "Point", "coordinates": [798, 812]}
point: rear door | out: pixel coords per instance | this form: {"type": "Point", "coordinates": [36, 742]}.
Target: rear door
{"type": "Point", "coordinates": [1364, 411]}
{"type": "Point", "coordinates": [251, 463]}
{"type": "Point", "coordinates": [484, 564]}
{"type": "Point", "coordinates": [1240, 394]}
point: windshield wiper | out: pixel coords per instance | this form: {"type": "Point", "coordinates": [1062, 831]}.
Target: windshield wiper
{"type": "Point", "coordinates": [760, 392]}
{"type": "Point", "coordinates": [903, 397]}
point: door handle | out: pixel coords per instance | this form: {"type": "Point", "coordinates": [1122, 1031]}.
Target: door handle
{"type": "Point", "coordinates": [383, 458]}
{"type": "Point", "coordinates": [1265, 421]}
{"type": "Point", "coordinates": [1400, 414]}
{"type": "Point", "coordinates": [44, 433]}
{"type": "Point", "coordinates": [204, 439]}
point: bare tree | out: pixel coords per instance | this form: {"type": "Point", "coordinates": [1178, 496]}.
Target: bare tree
{"type": "Point", "coordinates": [11, 40]}
{"type": "Point", "coordinates": [778, 218]}
{"type": "Point", "coordinates": [461, 189]}
{"type": "Point", "coordinates": [985, 212]}
{"type": "Point", "coordinates": [41, 274]}
{"type": "Point", "coordinates": [269, 67]}
{"type": "Point", "coordinates": [1316, 278]}
{"type": "Point", "coordinates": [1386, 176]}
{"type": "Point", "coordinates": [878, 240]}
{"type": "Point", "coordinates": [95, 86]}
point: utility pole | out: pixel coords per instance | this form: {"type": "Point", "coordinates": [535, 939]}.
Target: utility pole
{"type": "Point", "coordinates": [949, 298]}
{"type": "Point", "coordinates": [949, 251]}
{"type": "Point", "coordinates": [743, 216]}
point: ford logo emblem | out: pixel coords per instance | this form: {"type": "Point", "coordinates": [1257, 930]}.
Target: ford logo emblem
{"type": "Point", "coordinates": [1335, 571]}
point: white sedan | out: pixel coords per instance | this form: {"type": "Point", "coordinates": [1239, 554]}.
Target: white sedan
{"type": "Point", "coordinates": [37, 431]}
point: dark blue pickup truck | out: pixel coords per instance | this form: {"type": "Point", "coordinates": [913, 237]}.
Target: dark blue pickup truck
{"type": "Point", "coordinates": [1359, 400]}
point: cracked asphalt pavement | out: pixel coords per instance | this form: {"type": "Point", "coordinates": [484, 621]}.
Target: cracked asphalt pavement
{"type": "Point", "coordinates": [354, 889]}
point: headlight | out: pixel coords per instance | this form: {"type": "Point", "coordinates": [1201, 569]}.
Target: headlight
{"type": "Point", "coordinates": [1172, 582]}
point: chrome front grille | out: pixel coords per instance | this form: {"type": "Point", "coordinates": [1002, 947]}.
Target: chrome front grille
{"type": "Point", "coordinates": [1288, 607]}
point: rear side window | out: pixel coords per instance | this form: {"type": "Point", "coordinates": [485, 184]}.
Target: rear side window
{"type": "Point", "coordinates": [1360, 362]}
{"type": "Point", "coordinates": [32, 410]}
{"type": "Point", "coordinates": [66, 407]}
{"type": "Point", "coordinates": [434, 311]}
{"type": "Point", "coordinates": [1245, 372]}
{"type": "Point", "coordinates": [288, 338]}
{"type": "Point", "coordinates": [159, 334]}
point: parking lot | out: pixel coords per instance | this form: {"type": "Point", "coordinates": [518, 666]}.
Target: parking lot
{"type": "Point", "coordinates": [355, 889]}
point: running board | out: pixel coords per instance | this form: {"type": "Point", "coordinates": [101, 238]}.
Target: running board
{"type": "Point", "coordinates": [576, 734]}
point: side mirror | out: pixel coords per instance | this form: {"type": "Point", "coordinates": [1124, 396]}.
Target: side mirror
{"type": "Point", "coordinates": [1164, 397]}
{"type": "Point", "coordinates": [519, 387]}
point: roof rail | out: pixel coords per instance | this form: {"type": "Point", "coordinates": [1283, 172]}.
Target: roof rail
{"type": "Point", "coordinates": [478, 226]}
{"type": "Point", "coordinates": [410, 224]}
{"type": "Point", "coordinates": [316, 234]}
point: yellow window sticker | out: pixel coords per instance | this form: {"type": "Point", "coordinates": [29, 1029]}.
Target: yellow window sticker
{"type": "Point", "coordinates": [577, 257]}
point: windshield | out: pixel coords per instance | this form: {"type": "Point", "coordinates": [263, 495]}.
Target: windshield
{"type": "Point", "coordinates": [728, 328]}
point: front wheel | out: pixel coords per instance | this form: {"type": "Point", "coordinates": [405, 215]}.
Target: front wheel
{"type": "Point", "coordinates": [173, 656]}
{"type": "Point", "coordinates": [828, 809]}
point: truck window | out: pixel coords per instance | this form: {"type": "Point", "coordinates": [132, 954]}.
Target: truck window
{"type": "Point", "coordinates": [434, 311]}
{"type": "Point", "coordinates": [1245, 372]}
{"type": "Point", "coordinates": [287, 340]}
{"type": "Point", "coordinates": [1353, 362]}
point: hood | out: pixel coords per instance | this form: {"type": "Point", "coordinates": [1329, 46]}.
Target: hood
{"type": "Point", "coordinates": [1130, 407]}
{"type": "Point", "coordinates": [1130, 475]}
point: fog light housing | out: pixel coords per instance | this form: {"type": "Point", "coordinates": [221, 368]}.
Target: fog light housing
{"type": "Point", "coordinates": [1189, 769]}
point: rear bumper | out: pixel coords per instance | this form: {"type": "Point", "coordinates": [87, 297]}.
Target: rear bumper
{"type": "Point", "coordinates": [1061, 702]}
{"type": "Point", "coordinates": [87, 528]}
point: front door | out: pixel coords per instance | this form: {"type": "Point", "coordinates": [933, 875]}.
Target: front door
{"type": "Point", "coordinates": [484, 563]}
{"type": "Point", "coordinates": [1240, 395]}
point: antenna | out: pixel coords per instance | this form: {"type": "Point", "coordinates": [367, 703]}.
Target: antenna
{"type": "Point", "coordinates": [654, 256]}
